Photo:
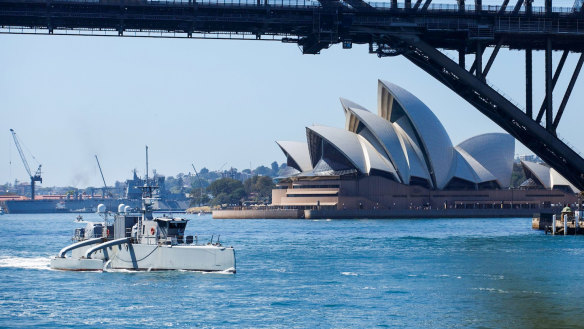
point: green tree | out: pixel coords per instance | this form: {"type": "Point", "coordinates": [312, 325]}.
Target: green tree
{"type": "Point", "coordinates": [260, 187]}
{"type": "Point", "coordinates": [275, 169]}
{"type": "Point", "coordinates": [221, 198]}
{"type": "Point", "coordinates": [262, 171]}
{"type": "Point", "coordinates": [199, 197]}
{"type": "Point", "coordinates": [226, 190]}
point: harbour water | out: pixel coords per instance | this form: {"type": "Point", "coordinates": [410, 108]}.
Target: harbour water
{"type": "Point", "coordinates": [487, 273]}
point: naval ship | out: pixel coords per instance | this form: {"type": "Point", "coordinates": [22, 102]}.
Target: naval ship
{"type": "Point", "coordinates": [78, 204]}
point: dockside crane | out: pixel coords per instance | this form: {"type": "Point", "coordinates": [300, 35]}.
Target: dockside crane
{"type": "Point", "coordinates": [200, 182]}
{"type": "Point", "coordinates": [37, 175]}
{"type": "Point", "coordinates": [103, 178]}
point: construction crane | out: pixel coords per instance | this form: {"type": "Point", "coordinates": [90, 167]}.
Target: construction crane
{"type": "Point", "coordinates": [103, 178]}
{"type": "Point", "coordinates": [37, 175]}
{"type": "Point", "coordinates": [200, 182]}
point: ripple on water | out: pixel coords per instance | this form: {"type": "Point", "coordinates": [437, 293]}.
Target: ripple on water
{"type": "Point", "coordinates": [304, 274]}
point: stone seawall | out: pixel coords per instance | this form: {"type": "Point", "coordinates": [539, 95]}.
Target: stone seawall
{"type": "Point", "coordinates": [258, 213]}
{"type": "Point", "coordinates": [431, 213]}
{"type": "Point", "coordinates": [374, 214]}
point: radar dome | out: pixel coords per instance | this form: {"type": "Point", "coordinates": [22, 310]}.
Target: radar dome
{"type": "Point", "coordinates": [101, 208]}
{"type": "Point", "coordinates": [121, 207]}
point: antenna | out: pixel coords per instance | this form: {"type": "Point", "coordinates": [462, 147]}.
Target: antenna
{"type": "Point", "coordinates": [146, 164]}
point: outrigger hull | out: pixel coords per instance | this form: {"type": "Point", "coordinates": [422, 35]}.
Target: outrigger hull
{"type": "Point", "coordinates": [76, 264]}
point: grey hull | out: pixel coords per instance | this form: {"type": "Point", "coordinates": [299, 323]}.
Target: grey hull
{"type": "Point", "coordinates": [142, 257]}
{"type": "Point", "coordinates": [76, 264]}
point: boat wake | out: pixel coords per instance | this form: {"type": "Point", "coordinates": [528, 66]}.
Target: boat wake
{"type": "Point", "coordinates": [35, 263]}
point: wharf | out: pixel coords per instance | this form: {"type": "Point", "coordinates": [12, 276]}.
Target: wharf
{"type": "Point", "coordinates": [544, 222]}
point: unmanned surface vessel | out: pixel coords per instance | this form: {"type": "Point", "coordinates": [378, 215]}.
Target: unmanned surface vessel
{"type": "Point", "coordinates": [140, 241]}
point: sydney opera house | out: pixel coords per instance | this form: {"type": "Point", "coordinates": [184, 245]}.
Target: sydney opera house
{"type": "Point", "coordinates": [403, 158]}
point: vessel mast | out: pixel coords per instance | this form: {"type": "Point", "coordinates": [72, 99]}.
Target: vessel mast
{"type": "Point", "coordinates": [147, 195]}
{"type": "Point", "coordinates": [37, 175]}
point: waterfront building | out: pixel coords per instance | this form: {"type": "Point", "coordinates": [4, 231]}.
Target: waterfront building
{"type": "Point", "coordinates": [403, 158]}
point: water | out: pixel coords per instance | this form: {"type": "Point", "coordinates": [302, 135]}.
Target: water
{"type": "Point", "coordinates": [482, 273]}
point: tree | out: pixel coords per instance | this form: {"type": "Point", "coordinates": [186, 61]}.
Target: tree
{"type": "Point", "coordinates": [220, 199]}
{"type": "Point", "coordinates": [262, 171]}
{"type": "Point", "coordinates": [275, 169]}
{"type": "Point", "coordinates": [259, 186]}
{"type": "Point", "coordinates": [199, 197]}
{"type": "Point", "coordinates": [226, 190]}
{"type": "Point", "coordinates": [204, 171]}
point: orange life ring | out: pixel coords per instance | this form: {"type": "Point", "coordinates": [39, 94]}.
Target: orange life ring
{"type": "Point", "coordinates": [152, 230]}
{"type": "Point", "coordinates": [107, 232]}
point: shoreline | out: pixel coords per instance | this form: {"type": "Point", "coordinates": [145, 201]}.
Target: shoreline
{"type": "Point", "coordinates": [375, 214]}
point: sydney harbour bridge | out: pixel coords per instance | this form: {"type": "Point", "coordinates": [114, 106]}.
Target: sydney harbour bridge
{"type": "Point", "coordinates": [424, 33]}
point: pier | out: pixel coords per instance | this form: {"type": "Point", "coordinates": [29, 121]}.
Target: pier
{"type": "Point", "coordinates": [566, 223]}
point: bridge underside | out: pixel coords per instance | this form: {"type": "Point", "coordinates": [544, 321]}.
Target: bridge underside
{"type": "Point", "coordinates": [414, 30]}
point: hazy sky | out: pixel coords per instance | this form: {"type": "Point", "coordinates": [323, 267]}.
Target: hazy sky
{"type": "Point", "coordinates": [208, 102]}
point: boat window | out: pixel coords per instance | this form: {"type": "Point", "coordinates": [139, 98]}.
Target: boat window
{"type": "Point", "coordinates": [143, 228]}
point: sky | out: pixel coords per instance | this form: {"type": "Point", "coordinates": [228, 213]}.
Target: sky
{"type": "Point", "coordinates": [212, 103]}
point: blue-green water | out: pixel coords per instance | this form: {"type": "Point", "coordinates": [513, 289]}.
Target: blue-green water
{"type": "Point", "coordinates": [483, 273]}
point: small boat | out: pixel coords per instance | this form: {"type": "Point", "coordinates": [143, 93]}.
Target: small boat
{"type": "Point", "coordinates": [142, 242]}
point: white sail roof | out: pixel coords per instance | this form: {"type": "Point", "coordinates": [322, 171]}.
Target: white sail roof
{"type": "Point", "coordinates": [298, 152]}
{"type": "Point", "coordinates": [356, 149]}
{"type": "Point", "coordinates": [375, 160]}
{"type": "Point", "coordinates": [385, 134]}
{"type": "Point", "coordinates": [427, 129]}
{"type": "Point", "coordinates": [495, 152]}
{"type": "Point", "coordinates": [547, 176]}
{"type": "Point", "coordinates": [479, 173]}
{"type": "Point", "coordinates": [414, 156]}
{"type": "Point", "coordinates": [558, 180]}
{"type": "Point", "coordinates": [539, 171]}
{"type": "Point", "coordinates": [344, 141]}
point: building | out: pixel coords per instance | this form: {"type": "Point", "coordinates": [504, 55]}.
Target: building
{"type": "Point", "coordinates": [403, 158]}
{"type": "Point", "coordinates": [542, 176]}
